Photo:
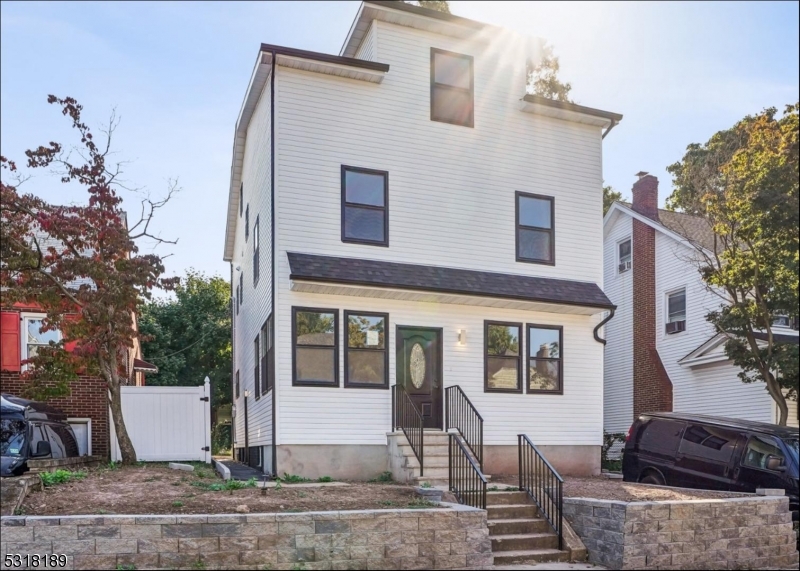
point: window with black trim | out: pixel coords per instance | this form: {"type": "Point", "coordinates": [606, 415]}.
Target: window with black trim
{"type": "Point", "coordinates": [267, 355]}
{"type": "Point", "coordinates": [502, 357]}
{"type": "Point", "coordinates": [256, 251]}
{"type": "Point", "coordinates": [545, 359]}
{"type": "Point", "coordinates": [247, 223]}
{"type": "Point", "coordinates": [366, 360]}
{"type": "Point", "coordinates": [624, 255]}
{"type": "Point", "coordinates": [257, 366]}
{"type": "Point", "coordinates": [237, 384]}
{"type": "Point", "coordinates": [365, 206]}
{"type": "Point", "coordinates": [315, 346]}
{"type": "Point", "coordinates": [535, 228]}
{"type": "Point", "coordinates": [676, 312]}
{"type": "Point", "coordinates": [452, 88]}
{"type": "Point", "coordinates": [241, 288]}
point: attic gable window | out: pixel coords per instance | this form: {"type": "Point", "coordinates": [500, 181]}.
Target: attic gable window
{"type": "Point", "coordinates": [452, 88]}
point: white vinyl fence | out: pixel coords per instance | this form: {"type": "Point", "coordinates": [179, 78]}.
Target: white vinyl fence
{"type": "Point", "coordinates": [167, 423]}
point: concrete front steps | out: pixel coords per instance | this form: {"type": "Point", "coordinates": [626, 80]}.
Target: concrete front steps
{"type": "Point", "coordinates": [519, 535]}
{"type": "Point", "coordinates": [404, 464]}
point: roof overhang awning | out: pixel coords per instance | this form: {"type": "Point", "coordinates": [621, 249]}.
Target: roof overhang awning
{"type": "Point", "coordinates": [144, 366]}
{"type": "Point", "coordinates": [414, 282]}
{"type": "Point", "coordinates": [568, 111]}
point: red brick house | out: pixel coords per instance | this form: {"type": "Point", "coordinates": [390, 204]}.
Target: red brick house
{"type": "Point", "coordinates": [87, 404]}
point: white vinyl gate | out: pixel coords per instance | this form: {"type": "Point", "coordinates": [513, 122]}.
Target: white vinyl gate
{"type": "Point", "coordinates": [167, 423]}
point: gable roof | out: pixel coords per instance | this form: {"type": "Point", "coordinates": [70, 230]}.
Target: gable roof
{"type": "Point", "coordinates": [692, 230]}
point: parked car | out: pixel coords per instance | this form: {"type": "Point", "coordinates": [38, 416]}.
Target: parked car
{"type": "Point", "coordinates": [713, 453]}
{"type": "Point", "coordinates": [32, 430]}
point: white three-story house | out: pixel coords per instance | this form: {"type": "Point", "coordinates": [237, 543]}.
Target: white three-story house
{"type": "Point", "coordinates": [406, 225]}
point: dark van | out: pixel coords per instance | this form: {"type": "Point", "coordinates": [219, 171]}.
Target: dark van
{"type": "Point", "coordinates": [713, 453]}
{"type": "Point", "coordinates": [32, 430]}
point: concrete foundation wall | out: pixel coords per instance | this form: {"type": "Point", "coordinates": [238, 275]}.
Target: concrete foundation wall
{"type": "Point", "coordinates": [734, 533]}
{"type": "Point", "coordinates": [367, 539]}
{"type": "Point", "coordinates": [341, 462]}
{"type": "Point", "coordinates": [568, 460]}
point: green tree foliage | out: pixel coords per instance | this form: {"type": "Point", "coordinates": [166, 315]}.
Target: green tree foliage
{"type": "Point", "coordinates": [438, 5]}
{"type": "Point", "coordinates": [189, 337]}
{"type": "Point", "coordinates": [610, 196]}
{"type": "Point", "coordinates": [503, 341]}
{"type": "Point", "coordinates": [744, 180]}
{"type": "Point", "coordinates": [543, 77]}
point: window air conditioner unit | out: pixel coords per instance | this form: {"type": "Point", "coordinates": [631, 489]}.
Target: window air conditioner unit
{"type": "Point", "coordinates": [624, 266]}
{"type": "Point", "coordinates": [676, 327]}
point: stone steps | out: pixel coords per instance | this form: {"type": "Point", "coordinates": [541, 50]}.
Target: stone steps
{"type": "Point", "coordinates": [530, 556]}
{"type": "Point", "coordinates": [524, 541]}
{"type": "Point", "coordinates": [520, 525]}
{"type": "Point", "coordinates": [512, 511]}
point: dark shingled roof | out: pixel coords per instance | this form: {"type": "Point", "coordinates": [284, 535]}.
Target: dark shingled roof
{"type": "Point", "coordinates": [354, 271]}
{"type": "Point", "coordinates": [696, 229]}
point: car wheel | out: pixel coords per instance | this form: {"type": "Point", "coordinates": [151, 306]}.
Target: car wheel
{"type": "Point", "coordinates": [652, 478]}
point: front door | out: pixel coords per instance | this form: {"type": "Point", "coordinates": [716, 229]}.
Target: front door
{"type": "Point", "coordinates": [419, 370]}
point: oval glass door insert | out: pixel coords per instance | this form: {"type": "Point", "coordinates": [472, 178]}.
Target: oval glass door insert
{"type": "Point", "coordinates": [416, 365]}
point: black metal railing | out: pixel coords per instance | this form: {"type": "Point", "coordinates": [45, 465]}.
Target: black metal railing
{"type": "Point", "coordinates": [543, 484]}
{"type": "Point", "coordinates": [407, 418]}
{"type": "Point", "coordinates": [467, 481]}
{"type": "Point", "coordinates": [463, 416]}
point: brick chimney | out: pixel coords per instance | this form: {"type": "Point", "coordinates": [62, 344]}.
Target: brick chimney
{"type": "Point", "coordinates": [652, 388]}
{"type": "Point", "coordinates": [645, 195]}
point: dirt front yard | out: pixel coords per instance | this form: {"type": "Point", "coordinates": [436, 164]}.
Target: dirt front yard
{"type": "Point", "coordinates": [157, 489]}
{"type": "Point", "coordinates": [603, 488]}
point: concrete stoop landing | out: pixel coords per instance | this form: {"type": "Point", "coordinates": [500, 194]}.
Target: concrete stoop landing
{"type": "Point", "coordinates": [518, 532]}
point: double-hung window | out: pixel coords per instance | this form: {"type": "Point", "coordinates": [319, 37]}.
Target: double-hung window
{"type": "Point", "coordinates": [625, 257]}
{"type": "Point", "coordinates": [545, 354]}
{"type": "Point", "coordinates": [366, 360]}
{"type": "Point", "coordinates": [35, 337]}
{"type": "Point", "coordinates": [315, 346]}
{"type": "Point", "coordinates": [452, 88]}
{"type": "Point", "coordinates": [676, 312]}
{"type": "Point", "coordinates": [237, 386]}
{"type": "Point", "coordinates": [535, 228]}
{"type": "Point", "coordinates": [365, 206]}
{"type": "Point", "coordinates": [241, 290]}
{"type": "Point", "coordinates": [256, 270]}
{"type": "Point", "coordinates": [502, 355]}
{"type": "Point", "coordinates": [257, 366]}
{"type": "Point", "coordinates": [246, 223]}
{"type": "Point", "coordinates": [267, 355]}
{"type": "Point", "coordinates": [241, 199]}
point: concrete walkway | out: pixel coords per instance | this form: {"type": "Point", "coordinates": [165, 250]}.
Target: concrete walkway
{"type": "Point", "coordinates": [240, 471]}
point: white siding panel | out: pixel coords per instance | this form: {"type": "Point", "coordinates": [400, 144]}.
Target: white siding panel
{"type": "Point", "coordinates": [314, 415]}
{"type": "Point", "coordinates": [618, 366]}
{"type": "Point", "coordinates": [368, 49]}
{"type": "Point", "coordinates": [714, 389]}
{"type": "Point", "coordinates": [257, 298]}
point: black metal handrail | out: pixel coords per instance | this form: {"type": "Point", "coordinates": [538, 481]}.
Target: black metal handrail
{"type": "Point", "coordinates": [464, 417]}
{"type": "Point", "coordinates": [407, 418]}
{"type": "Point", "coordinates": [543, 484]}
{"type": "Point", "coordinates": [466, 480]}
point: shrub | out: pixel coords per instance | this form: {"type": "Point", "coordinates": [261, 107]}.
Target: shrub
{"type": "Point", "coordinates": [60, 477]}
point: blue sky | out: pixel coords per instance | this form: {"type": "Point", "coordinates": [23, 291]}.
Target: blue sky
{"type": "Point", "coordinates": [177, 72]}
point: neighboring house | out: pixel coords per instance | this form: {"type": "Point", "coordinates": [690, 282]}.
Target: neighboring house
{"type": "Point", "coordinates": [662, 354]}
{"type": "Point", "coordinates": [87, 404]}
{"type": "Point", "coordinates": [403, 213]}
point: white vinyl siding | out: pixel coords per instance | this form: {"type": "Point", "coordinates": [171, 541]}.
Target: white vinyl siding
{"type": "Point", "coordinates": [257, 301]}
{"type": "Point", "coordinates": [618, 365]}
{"type": "Point", "coordinates": [452, 203]}
{"type": "Point", "coordinates": [713, 389]}
{"type": "Point", "coordinates": [368, 50]}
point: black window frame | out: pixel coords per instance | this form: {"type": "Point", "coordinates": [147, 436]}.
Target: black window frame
{"type": "Point", "coordinates": [347, 349]}
{"type": "Point", "coordinates": [486, 387]}
{"type": "Point", "coordinates": [241, 289]}
{"type": "Point", "coordinates": [517, 227]}
{"type": "Point", "coordinates": [246, 223]}
{"type": "Point", "coordinates": [241, 199]}
{"type": "Point", "coordinates": [257, 366]}
{"type": "Point", "coordinates": [560, 359]}
{"type": "Point", "coordinates": [256, 251]}
{"type": "Point", "coordinates": [471, 90]}
{"type": "Point", "coordinates": [385, 208]}
{"type": "Point", "coordinates": [268, 356]}
{"type": "Point", "coordinates": [237, 386]}
{"type": "Point", "coordinates": [336, 382]}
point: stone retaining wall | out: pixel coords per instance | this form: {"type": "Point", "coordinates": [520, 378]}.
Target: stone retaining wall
{"type": "Point", "coordinates": [733, 533]}
{"type": "Point", "coordinates": [53, 464]}
{"type": "Point", "coordinates": [369, 539]}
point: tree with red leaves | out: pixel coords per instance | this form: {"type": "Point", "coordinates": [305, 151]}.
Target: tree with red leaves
{"type": "Point", "coordinates": [81, 265]}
